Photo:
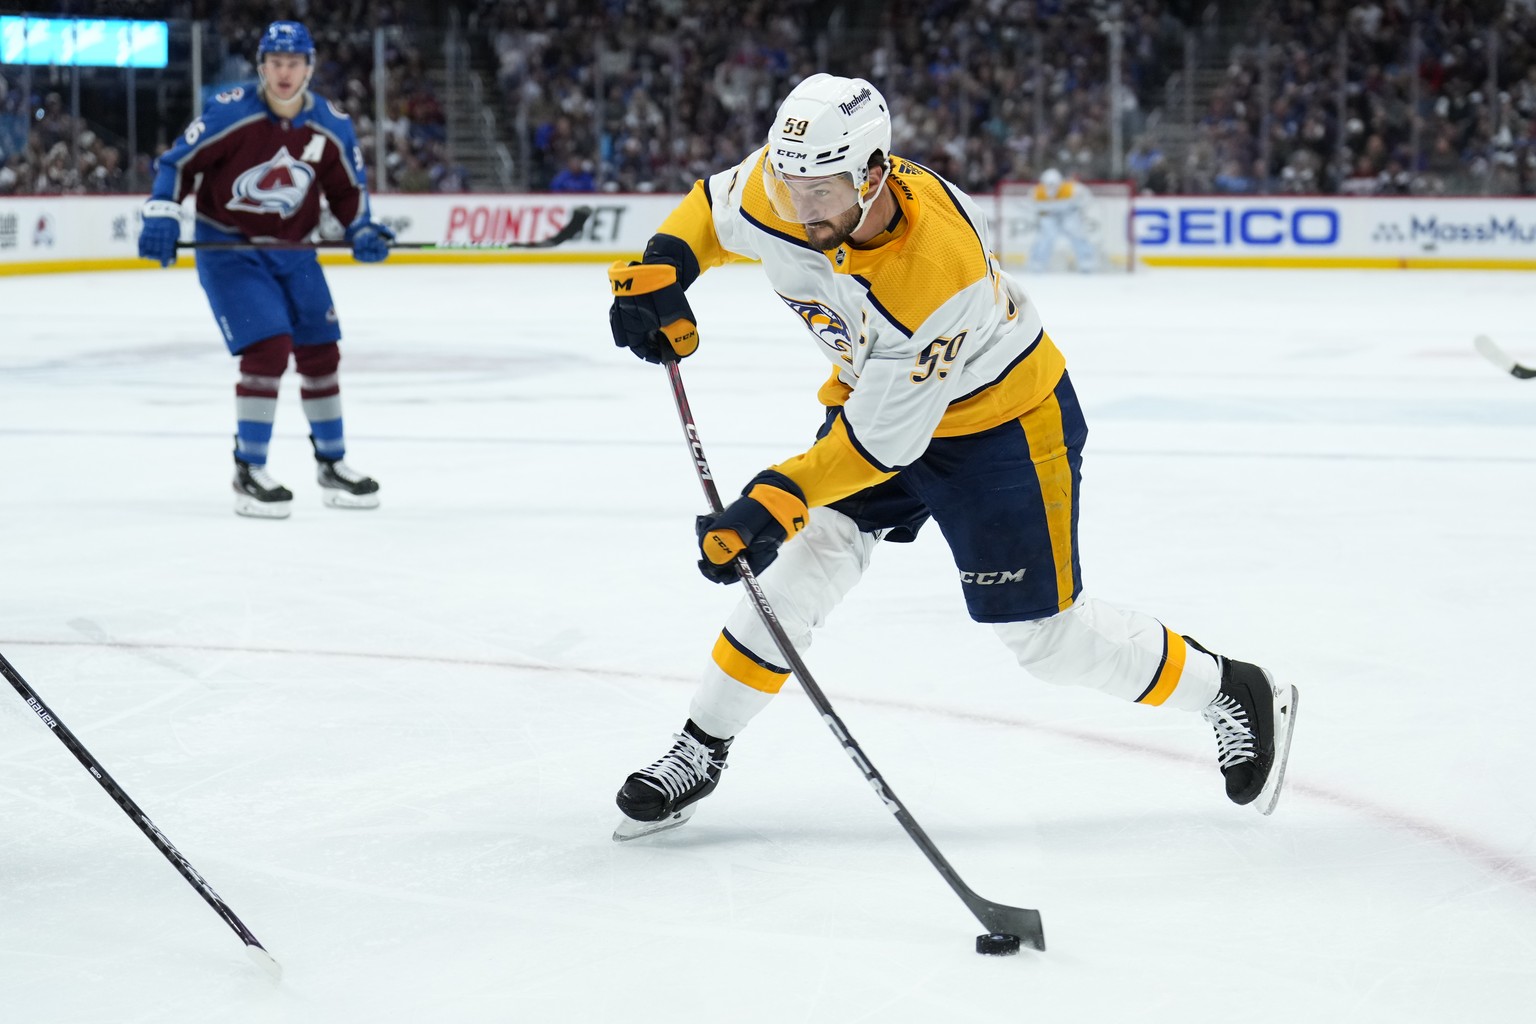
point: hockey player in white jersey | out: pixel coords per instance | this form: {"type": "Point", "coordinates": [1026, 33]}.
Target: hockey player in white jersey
{"type": "Point", "coordinates": [947, 400]}
{"type": "Point", "coordinates": [1060, 209]}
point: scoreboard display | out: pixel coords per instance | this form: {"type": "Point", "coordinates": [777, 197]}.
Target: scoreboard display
{"type": "Point", "coordinates": [83, 42]}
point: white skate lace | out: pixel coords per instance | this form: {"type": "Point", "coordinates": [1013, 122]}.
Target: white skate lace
{"type": "Point", "coordinates": [684, 766]}
{"type": "Point", "coordinates": [1234, 739]}
{"type": "Point", "coordinates": [346, 473]}
{"type": "Point", "coordinates": [261, 478]}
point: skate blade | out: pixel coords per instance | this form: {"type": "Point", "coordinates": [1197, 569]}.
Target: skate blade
{"type": "Point", "coordinates": [628, 828]}
{"type": "Point", "coordinates": [334, 498]}
{"type": "Point", "coordinates": [1285, 704]}
{"type": "Point", "coordinates": [247, 506]}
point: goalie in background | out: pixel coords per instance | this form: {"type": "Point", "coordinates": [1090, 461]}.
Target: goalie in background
{"type": "Point", "coordinates": [1059, 211]}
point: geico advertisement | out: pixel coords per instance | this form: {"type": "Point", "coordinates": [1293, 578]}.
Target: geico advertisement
{"type": "Point", "coordinates": [1323, 226]}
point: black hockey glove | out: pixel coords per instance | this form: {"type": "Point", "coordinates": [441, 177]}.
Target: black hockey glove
{"type": "Point", "coordinates": [650, 314]}
{"type": "Point", "coordinates": [770, 511]}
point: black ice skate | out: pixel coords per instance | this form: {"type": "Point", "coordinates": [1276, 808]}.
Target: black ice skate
{"type": "Point", "coordinates": [666, 794]}
{"type": "Point", "coordinates": [258, 495]}
{"type": "Point", "coordinates": [1253, 718]}
{"type": "Point", "coordinates": [341, 486]}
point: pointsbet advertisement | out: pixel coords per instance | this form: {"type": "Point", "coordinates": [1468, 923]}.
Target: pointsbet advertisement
{"type": "Point", "coordinates": [39, 234]}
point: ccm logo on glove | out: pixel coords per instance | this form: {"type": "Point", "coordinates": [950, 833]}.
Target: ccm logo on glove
{"type": "Point", "coordinates": [770, 511]}
{"type": "Point", "coordinates": [650, 314]}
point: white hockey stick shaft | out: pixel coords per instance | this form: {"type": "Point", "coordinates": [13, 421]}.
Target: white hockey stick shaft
{"type": "Point", "coordinates": [1498, 357]}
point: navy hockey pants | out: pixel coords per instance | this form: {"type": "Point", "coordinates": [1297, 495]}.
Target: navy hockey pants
{"type": "Point", "coordinates": [1006, 500]}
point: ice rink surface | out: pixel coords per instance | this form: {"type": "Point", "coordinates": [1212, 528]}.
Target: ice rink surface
{"type": "Point", "coordinates": [391, 739]}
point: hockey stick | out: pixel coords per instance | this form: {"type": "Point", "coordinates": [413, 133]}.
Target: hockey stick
{"type": "Point", "coordinates": [253, 948]}
{"type": "Point", "coordinates": [1000, 920]}
{"type": "Point", "coordinates": [572, 228]}
{"type": "Point", "coordinates": [1498, 357]}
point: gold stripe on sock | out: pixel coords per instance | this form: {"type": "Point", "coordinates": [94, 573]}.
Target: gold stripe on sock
{"type": "Point", "coordinates": [738, 663]}
{"type": "Point", "coordinates": [1169, 671]}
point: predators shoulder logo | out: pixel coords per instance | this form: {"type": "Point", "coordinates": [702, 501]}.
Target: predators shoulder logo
{"type": "Point", "coordinates": [829, 328]}
{"type": "Point", "coordinates": [277, 186]}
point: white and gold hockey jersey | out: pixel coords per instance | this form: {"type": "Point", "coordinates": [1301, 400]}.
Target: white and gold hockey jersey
{"type": "Point", "coordinates": [926, 335]}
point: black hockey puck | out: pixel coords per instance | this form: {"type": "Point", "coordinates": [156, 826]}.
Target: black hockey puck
{"type": "Point", "coordinates": [997, 944]}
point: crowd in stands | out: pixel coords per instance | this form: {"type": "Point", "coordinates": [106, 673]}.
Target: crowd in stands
{"type": "Point", "coordinates": [643, 95]}
{"type": "Point", "coordinates": [1329, 96]}
{"type": "Point", "coordinates": [1436, 97]}
{"type": "Point", "coordinates": [640, 95]}
{"type": "Point", "coordinates": [44, 149]}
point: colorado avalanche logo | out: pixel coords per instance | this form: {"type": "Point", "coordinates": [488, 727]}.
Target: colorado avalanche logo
{"type": "Point", "coordinates": [828, 327]}
{"type": "Point", "coordinates": [277, 186]}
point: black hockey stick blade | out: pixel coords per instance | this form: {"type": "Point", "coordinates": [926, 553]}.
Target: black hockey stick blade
{"type": "Point", "coordinates": [1498, 357]}
{"type": "Point", "coordinates": [998, 919]}
{"type": "Point", "coordinates": [570, 230]}
{"type": "Point", "coordinates": [253, 947]}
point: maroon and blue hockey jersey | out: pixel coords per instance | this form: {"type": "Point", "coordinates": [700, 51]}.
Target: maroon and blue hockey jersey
{"type": "Point", "coordinates": [261, 176]}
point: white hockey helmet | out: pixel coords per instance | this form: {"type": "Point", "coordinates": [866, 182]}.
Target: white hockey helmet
{"type": "Point", "coordinates": [1051, 179]}
{"type": "Point", "coordinates": [819, 147]}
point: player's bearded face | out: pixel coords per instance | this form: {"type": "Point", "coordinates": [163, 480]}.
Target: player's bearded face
{"type": "Point", "coordinates": [828, 207]}
{"type": "Point", "coordinates": [831, 233]}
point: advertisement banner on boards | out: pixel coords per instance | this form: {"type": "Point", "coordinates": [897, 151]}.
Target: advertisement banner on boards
{"type": "Point", "coordinates": [1334, 231]}
{"type": "Point", "coordinates": [58, 233]}
{"type": "Point", "coordinates": [46, 229]}
{"type": "Point", "coordinates": [616, 223]}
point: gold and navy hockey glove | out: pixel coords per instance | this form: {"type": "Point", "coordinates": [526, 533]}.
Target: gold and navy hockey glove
{"type": "Point", "coordinates": [770, 511]}
{"type": "Point", "coordinates": [650, 314]}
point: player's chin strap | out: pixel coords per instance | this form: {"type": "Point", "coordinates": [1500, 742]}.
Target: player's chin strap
{"type": "Point", "coordinates": [867, 202]}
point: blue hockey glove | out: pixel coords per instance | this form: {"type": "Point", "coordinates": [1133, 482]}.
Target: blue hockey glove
{"type": "Point", "coordinates": [370, 241]}
{"type": "Point", "coordinates": [650, 315]}
{"type": "Point", "coordinates": [160, 232]}
{"type": "Point", "coordinates": [770, 511]}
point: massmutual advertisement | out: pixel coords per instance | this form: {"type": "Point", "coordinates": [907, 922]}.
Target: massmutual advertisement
{"type": "Point", "coordinates": [1322, 231]}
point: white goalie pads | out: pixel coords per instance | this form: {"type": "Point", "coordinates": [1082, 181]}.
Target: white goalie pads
{"type": "Point", "coordinates": [1097, 239]}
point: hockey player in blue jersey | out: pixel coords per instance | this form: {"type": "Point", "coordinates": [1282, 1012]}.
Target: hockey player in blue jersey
{"type": "Point", "coordinates": [258, 159]}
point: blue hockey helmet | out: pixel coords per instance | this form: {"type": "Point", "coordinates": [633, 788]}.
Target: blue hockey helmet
{"type": "Point", "coordinates": [286, 37]}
